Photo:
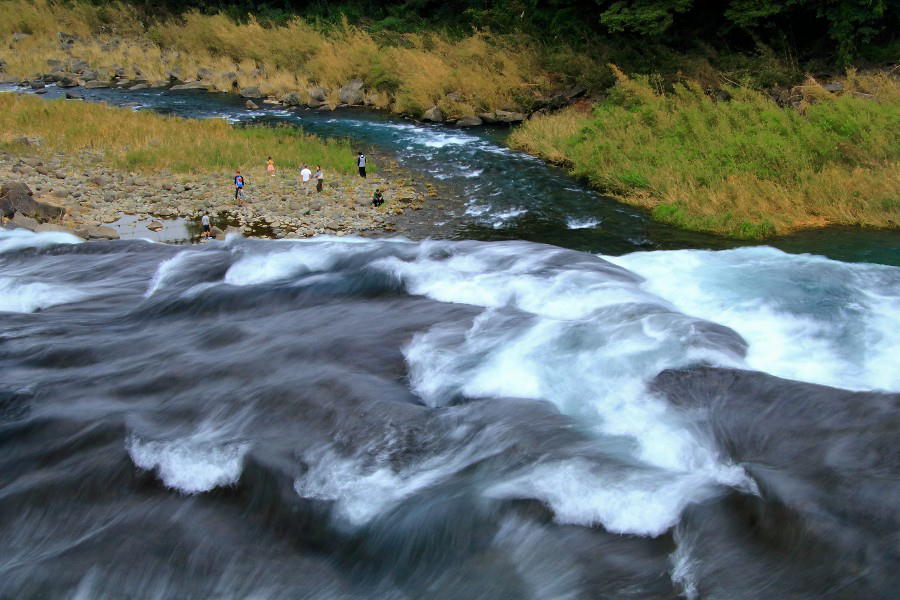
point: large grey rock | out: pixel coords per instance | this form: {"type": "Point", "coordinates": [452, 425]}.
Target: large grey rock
{"type": "Point", "coordinates": [36, 85]}
{"type": "Point", "coordinates": [66, 81]}
{"type": "Point", "coordinates": [434, 115]}
{"type": "Point", "coordinates": [251, 93]}
{"type": "Point", "coordinates": [194, 85]}
{"type": "Point", "coordinates": [251, 105]}
{"type": "Point", "coordinates": [24, 222]}
{"type": "Point", "coordinates": [17, 197]}
{"type": "Point", "coordinates": [93, 85]}
{"type": "Point", "coordinates": [488, 117]}
{"type": "Point", "coordinates": [155, 226]}
{"type": "Point", "coordinates": [73, 95]}
{"type": "Point", "coordinates": [292, 99]}
{"type": "Point", "coordinates": [205, 73]}
{"type": "Point", "coordinates": [139, 86]}
{"type": "Point", "coordinates": [508, 116]}
{"type": "Point", "coordinates": [96, 232]}
{"type": "Point", "coordinates": [352, 93]}
{"type": "Point", "coordinates": [317, 93]}
{"type": "Point", "coordinates": [469, 122]}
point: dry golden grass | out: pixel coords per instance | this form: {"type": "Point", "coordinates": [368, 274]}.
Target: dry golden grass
{"type": "Point", "coordinates": [146, 141]}
{"type": "Point", "coordinates": [745, 168]}
{"type": "Point", "coordinates": [409, 74]}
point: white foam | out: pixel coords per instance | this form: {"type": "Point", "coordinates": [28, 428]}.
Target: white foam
{"type": "Point", "coordinates": [586, 223]}
{"type": "Point", "coordinates": [19, 296]}
{"type": "Point", "coordinates": [18, 239]}
{"type": "Point", "coordinates": [805, 317]}
{"type": "Point", "coordinates": [189, 465]}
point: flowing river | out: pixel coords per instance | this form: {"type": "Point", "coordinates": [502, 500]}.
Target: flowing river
{"type": "Point", "coordinates": [664, 416]}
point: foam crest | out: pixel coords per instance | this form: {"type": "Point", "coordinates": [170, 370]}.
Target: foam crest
{"type": "Point", "coordinates": [19, 296]}
{"type": "Point", "coordinates": [805, 317]}
{"type": "Point", "coordinates": [189, 465]}
{"type": "Point", "coordinates": [288, 262]}
{"type": "Point", "coordinates": [19, 239]}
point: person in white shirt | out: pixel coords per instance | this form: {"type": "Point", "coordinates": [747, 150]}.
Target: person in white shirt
{"type": "Point", "coordinates": [305, 175]}
{"type": "Point", "coordinates": [204, 221]}
{"type": "Point", "coordinates": [361, 163]}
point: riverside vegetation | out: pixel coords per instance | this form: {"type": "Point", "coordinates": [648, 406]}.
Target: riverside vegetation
{"type": "Point", "coordinates": [98, 162]}
{"type": "Point", "coordinates": [738, 164]}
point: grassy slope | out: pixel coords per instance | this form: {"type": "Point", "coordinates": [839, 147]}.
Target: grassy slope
{"type": "Point", "coordinates": [406, 73]}
{"type": "Point", "coordinates": [744, 168]}
{"type": "Point", "coordinates": [145, 141]}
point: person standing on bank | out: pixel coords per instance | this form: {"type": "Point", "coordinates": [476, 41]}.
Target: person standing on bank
{"type": "Point", "coordinates": [238, 186]}
{"type": "Point", "coordinates": [305, 174]}
{"type": "Point", "coordinates": [319, 179]}
{"type": "Point", "coordinates": [204, 222]}
{"type": "Point", "coordinates": [361, 163]}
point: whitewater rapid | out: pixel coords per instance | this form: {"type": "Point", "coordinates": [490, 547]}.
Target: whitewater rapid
{"type": "Point", "coordinates": [407, 395]}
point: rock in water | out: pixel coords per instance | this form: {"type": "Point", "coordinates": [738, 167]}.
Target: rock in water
{"type": "Point", "coordinates": [20, 220]}
{"type": "Point", "coordinates": [155, 226]}
{"type": "Point", "coordinates": [469, 122]}
{"type": "Point", "coordinates": [250, 104]}
{"type": "Point", "coordinates": [434, 115]}
{"type": "Point", "coordinates": [194, 85]}
{"type": "Point", "coordinates": [96, 232]}
{"type": "Point", "coordinates": [506, 116]}
{"type": "Point", "coordinates": [17, 197]}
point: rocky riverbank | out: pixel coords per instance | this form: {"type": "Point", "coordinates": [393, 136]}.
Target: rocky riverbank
{"type": "Point", "coordinates": [82, 195]}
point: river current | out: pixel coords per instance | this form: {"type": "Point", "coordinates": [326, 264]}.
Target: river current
{"type": "Point", "coordinates": [450, 419]}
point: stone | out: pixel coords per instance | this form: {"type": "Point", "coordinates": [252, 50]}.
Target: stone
{"type": "Point", "coordinates": [251, 105]}
{"type": "Point", "coordinates": [41, 91]}
{"type": "Point", "coordinates": [508, 116]}
{"type": "Point", "coordinates": [74, 96]}
{"type": "Point", "coordinates": [291, 99]}
{"type": "Point", "coordinates": [155, 226]}
{"type": "Point", "coordinates": [140, 86]}
{"type": "Point", "coordinates": [488, 117]}
{"type": "Point", "coordinates": [17, 197]}
{"type": "Point", "coordinates": [98, 180]}
{"type": "Point", "coordinates": [194, 85]}
{"type": "Point", "coordinates": [24, 222]}
{"type": "Point", "coordinates": [93, 85]}
{"type": "Point", "coordinates": [89, 75]}
{"type": "Point", "coordinates": [66, 81]}
{"type": "Point", "coordinates": [43, 227]}
{"type": "Point", "coordinates": [251, 93]}
{"type": "Point", "coordinates": [833, 87]}
{"type": "Point", "coordinates": [317, 93]}
{"type": "Point", "coordinates": [96, 232]}
{"type": "Point", "coordinates": [352, 93]}
{"type": "Point", "coordinates": [205, 73]}
{"type": "Point", "coordinates": [434, 115]}
{"type": "Point", "coordinates": [36, 85]}
{"type": "Point", "coordinates": [469, 122]}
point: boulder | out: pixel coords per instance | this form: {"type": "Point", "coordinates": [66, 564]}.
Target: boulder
{"type": "Point", "coordinates": [17, 197]}
{"type": "Point", "coordinates": [155, 226]}
{"type": "Point", "coordinates": [352, 93]}
{"type": "Point", "coordinates": [488, 117]}
{"type": "Point", "coordinates": [93, 85]}
{"type": "Point", "coordinates": [139, 86]}
{"type": "Point", "coordinates": [24, 222]}
{"type": "Point", "coordinates": [89, 75]}
{"type": "Point", "coordinates": [317, 93]}
{"type": "Point", "coordinates": [52, 227]}
{"type": "Point", "coordinates": [833, 87]}
{"type": "Point", "coordinates": [251, 93]}
{"type": "Point", "coordinates": [508, 116]}
{"type": "Point", "coordinates": [469, 122]}
{"type": "Point", "coordinates": [96, 232]}
{"type": "Point", "coordinates": [66, 81]}
{"type": "Point", "coordinates": [291, 99]}
{"type": "Point", "coordinates": [74, 96]}
{"type": "Point", "coordinates": [194, 85]}
{"type": "Point", "coordinates": [41, 91]}
{"type": "Point", "coordinates": [251, 105]}
{"type": "Point", "coordinates": [434, 115]}
{"type": "Point", "coordinates": [36, 85]}
{"type": "Point", "coordinates": [205, 73]}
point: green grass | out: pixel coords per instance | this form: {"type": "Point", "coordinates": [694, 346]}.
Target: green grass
{"type": "Point", "coordinates": [145, 141]}
{"type": "Point", "coordinates": [744, 167]}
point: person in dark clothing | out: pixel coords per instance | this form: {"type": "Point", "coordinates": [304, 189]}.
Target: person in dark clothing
{"type": "Point", "coordinates": [361, 163]}
{"type": "Point", "coordinates": [377, 198]}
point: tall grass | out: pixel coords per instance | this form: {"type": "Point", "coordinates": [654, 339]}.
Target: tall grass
{"type": "Point", "coordinates": [403, 72]}
{"type": "Point", "coordinates": [148, 142]}
{"type": "Point", "coordinates": [744, 167]}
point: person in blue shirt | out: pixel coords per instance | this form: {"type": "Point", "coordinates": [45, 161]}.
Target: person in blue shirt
{"type": "Point", "coordinates": [238, 186]}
